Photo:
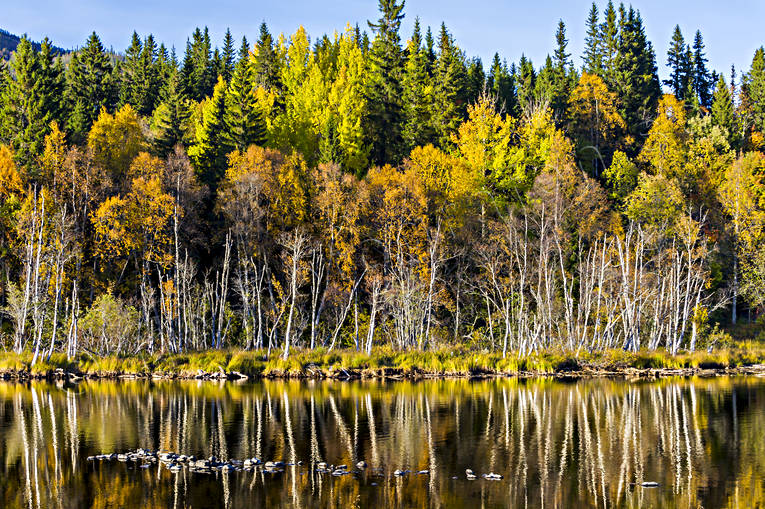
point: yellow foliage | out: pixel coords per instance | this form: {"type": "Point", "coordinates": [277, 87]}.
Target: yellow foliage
{"type": "Point", "coordinates": [338, 205]}
{"type": "Point", "coordinates": [269, 180]}
{"type": "Point", "coordinates": [10, 180]}
{"type": "Point", "coordinates": [595, 121]}
{"type": "Point", "coordinates": [54, 155]}
{"type": "Point", "coordinates": [665, 149]}
{"type": "Point", "coordinates": [138, 224]}
{"type": "Point", "coordinates": [656, 201]}
{"type": "Point", "coordinates": [115, 140]}
{"type": "Point", "coordinates": [484, 141]}
{"type": "Point", "coordinates": [397, 210]}
{"type": "Point", "coordinates": [146, 166]}
{"type": "Point", "coordinates": [742, 197]}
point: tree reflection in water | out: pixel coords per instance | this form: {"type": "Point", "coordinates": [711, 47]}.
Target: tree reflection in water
{"type": "Point", "coordinates": [558, 444]}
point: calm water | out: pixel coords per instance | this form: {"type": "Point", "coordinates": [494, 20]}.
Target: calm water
{"type": "Point", "coordinates": [558, 444]}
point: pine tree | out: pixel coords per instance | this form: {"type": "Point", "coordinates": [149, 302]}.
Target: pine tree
{"type": "Point", "coordinates": [702, 80]}
{"type": "Point", "coordinates": [417, 95]}
{"type": "Point", "coordinates": [450, 88]}
{"type": "Point", "coordinates": [679, 65]}
{"type": "Point", "coordinates": [227, 57]}
{"type": "Point", "coordinates": [212, 143]}
{"type": "Point", "coordinates": [593, 56]}
{"type": "Point", "coordinates": [384, 91]}
{"type": "Point", "coordinates": [89, 82]}
{"type": "Point", "coordinates": [243, 117]}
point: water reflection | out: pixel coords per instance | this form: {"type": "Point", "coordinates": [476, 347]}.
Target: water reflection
{"type": "Point", "coordinates": [587, 443]}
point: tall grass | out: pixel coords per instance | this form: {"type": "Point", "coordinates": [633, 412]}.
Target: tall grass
{"type": "Point", "coordinates": [384, 361]}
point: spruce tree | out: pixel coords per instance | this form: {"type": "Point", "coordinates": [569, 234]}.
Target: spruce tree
{"type": "Point", "coordinates": [417, 95]}
{"type": "Point", "coordinates": [146, 86]}
{"type": "Point", "coordinates": [476, 80]}
{"type": "Point", "coordinates": [198, 72]}
{"type": "Point", "coordinates": [679, 65]}
{"type": "Point", "coordinates": [593, 56]}
{"type": "Point", "coordinates": [754, 90]}
{"type": "Point", "coordinates": [28, 105]}
{"type": "Point", "coordinates": [563, 78]}
{"type": "Point", "coordinates": [267, 65]}
{"type": "Point", "coordinates": [384, 118]}
{"type": "Point", "coordinates": [702, 80]}
{"type": "Point", "coordinates": [722, 107]}
{"type": "Point", "coordinates": [501, 84]}
{"type": "Point", "coordinates": [244, 50]}
{"type": "Point", "coordinates": [90, 83]}
{"type": "Point", "coordinates": [212, 143]}
{"type": "Point", "coordinates": [430, 51]}
{"type": "Point", "coordinates": [171, 117]}
{"type": "Point", "coordinates": [609, 45]}
{"type": "Point", "coordinates": [450, 88]}
{"type": "Point", "coordinates": [526, 81]}
{"type": "Point", "coordinates": [227, 57]}
{"type": "Point", "coordinates": [543, 85]}
{"type": "Point", "coordinates": [244, 119]}
{"type": "Point", "coordinates": [52, 76]}
{"type": "Point", "coordinates": [129, 70]}
{"type": "Point", "coordinates": [637, 81]}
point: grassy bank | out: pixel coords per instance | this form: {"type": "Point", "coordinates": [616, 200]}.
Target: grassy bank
{"type": "Point", "coordinates": [382, 362]}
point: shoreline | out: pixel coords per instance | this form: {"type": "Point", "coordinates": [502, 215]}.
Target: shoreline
{"type": "Point", "coordinates": [240, 365]}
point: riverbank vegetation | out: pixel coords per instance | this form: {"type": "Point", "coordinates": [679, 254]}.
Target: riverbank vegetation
{"type": "Point", "coordinates": [383, 362]}
{"type": "Point", "coordinates": [354, 194]}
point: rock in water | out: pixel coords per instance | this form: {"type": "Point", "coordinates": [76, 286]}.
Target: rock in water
{"type": "Point", "coordinates": [361, 465]}
{"type": "Point", "coordinates": [649, 484]}
{"type": "Point", "coordinates": [470, 474]}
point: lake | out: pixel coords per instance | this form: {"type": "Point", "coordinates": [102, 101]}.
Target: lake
{"type": "Point", "coordinates": [557, 443]}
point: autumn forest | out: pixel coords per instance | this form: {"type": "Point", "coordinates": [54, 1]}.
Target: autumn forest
{"type": "Point", "coordinates": [370, 188]}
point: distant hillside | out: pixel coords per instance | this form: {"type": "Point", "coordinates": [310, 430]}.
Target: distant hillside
{"type": "Point", "coordinates": [9, 41]}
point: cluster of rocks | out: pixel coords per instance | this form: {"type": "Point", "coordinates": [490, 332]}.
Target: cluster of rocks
{"type": "Point", "coordinates": [177, 462]}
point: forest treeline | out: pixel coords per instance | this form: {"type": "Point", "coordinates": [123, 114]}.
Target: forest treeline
{"type": "Point", "coordinates": [357, 190]}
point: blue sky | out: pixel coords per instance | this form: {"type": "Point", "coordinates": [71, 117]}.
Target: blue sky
{"type": "Point", "coordinates": [732, 29]}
